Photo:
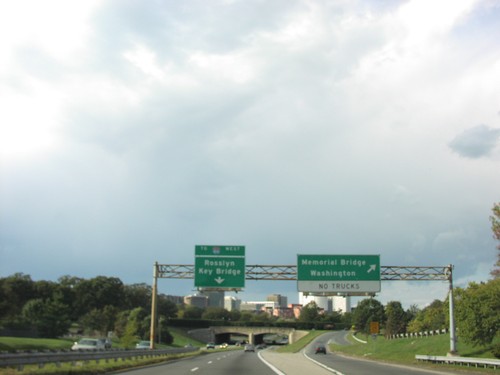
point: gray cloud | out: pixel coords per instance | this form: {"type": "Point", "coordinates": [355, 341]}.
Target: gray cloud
{"type": "Point", "coordinates": [475, 142]}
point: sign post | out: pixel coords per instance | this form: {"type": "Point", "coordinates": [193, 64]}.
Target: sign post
{"type": "Point", "coordinates": [219, 267]}
{"type": "Point", "coordinates": [338, 274]}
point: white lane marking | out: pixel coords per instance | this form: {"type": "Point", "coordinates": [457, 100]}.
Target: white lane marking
{"type": "Point", "coordinates": [209, 362]}
{"type": "Point", "coordinates": [322, 365]}
{"type": "Point", "coordinates": [194, 369]}
{"type": "Point", "coordinates": [276, 371]}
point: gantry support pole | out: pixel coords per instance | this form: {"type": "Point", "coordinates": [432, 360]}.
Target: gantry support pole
{"type": "Point", "coordinates": [154, 304]}
{"type": "Point", "coordinates": [453, 337]}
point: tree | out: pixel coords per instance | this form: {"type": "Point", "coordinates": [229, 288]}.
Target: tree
{"type": "Point", "coordinates": [368, 310]}
{"type": "Point", "coordinates": [99, 292]}
{"type": "Point", "coordinates": [495, 227]}
{"type": "Point", "coordinates": [478, 312]}
{"type": "Point", "coordinates": [432, 317]}
{"type": "Point", "coordinates": [192, 312]}
{"type": "Point", "coordinates": [216, 313]}
{"type": "Point", "coordinates": [396, 318]}
{"type": "Point", "coordinates": [135, 326]}
{"type": "Point", "coordinates": [50, 318]}
{"type": "Point", "coordinates": [15, 291]}
{"type": "Point", "coordinates": [100, 320]}
{"type": "Point", "coordinates": [309, 313]}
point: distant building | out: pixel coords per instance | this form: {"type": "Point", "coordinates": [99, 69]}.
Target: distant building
{"type": "Point", "coordinates": [197, 301]}
{"type": "Point", "coordinates": [232, 303]}
{"type": "Point", "coordinates": [257, 305]}
{"type": "Point", "coordinates": [215, 298]}
{"type": "Point", "coordinates": [328, 303]}
{"type": "Point", "coordinates": [282, 301]}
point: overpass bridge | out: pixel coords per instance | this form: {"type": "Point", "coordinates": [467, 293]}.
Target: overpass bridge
{"type": "Point", "coordinates": [221, 334]}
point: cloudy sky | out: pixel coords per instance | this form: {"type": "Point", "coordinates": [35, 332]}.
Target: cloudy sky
{"type": "Point", "coordinates": [131, 131]}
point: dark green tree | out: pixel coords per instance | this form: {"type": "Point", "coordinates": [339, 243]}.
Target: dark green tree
{"type": "Point", "coordinates": [368, 310]}
{"type": "Point", "coordinates": [395, 318]}
{"type": "Point", "coordinates": [137, 295]}
{"type": "Point", "coordinates": [216, 313]}
{"type": "Point", "coordinates": [310, 313]}
{"type": "Point", "coordinates": [50, 318]}
{"type": "Point", "coordinates": [99, 292]}
{"type": "Point", "coordinates": [15, 291]}
{"type": "Point", "coordinates": [477, 311]}
{"type": "Point", "coordinates": [432, 317]}
{"type": "Point", "coordinates": [192, 312]}
{"type": "Point", "coordinates": [165, 307]}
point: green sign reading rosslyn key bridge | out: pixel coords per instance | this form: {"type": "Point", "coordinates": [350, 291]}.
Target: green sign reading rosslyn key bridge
{"type": "Point", "coordinates": [338, 274]}
{"type": "Point", "coordinates": [219, 267]}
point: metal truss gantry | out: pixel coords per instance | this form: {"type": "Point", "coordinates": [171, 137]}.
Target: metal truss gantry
{"type": "Point", "coordinates": [289, 272]}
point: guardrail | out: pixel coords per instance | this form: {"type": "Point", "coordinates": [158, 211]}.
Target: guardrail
{"type": "Point", "coordinates": [475, 362]}
{"type": "Point", "coordinates": [19, 360]}
{"type": "Point", "coordinates": [418, 334]}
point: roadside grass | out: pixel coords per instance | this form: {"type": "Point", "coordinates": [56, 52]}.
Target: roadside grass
{"type": "Point", "coordinates": [403, 351]}
{"type": "Point", "coordinates": [297, 346]}
{"type": "Point", "coordinates": [181, 338]}
{"type": "Point", "coordinates": [91, 367]}
{"type": "Point", "coordinates": [12, 344]}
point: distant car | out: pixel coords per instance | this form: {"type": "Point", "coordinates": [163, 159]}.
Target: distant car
{"type": "Point", "coordinates": [261, 346]}
{"type": "Point", "coordinates": [142, 345]}
{"type": "Point", "coordinates": [320, 348]}
{"type": "Point", "coordinates": [211, 345]}
{"type": "Point", "coordinates": [249, 348]}
{"type": "Point", "coordinates": [223, 345]}
{"type": "Point", "coordinates": [106, 342]}
{"type": "Point", "coordinates": [89, 344]}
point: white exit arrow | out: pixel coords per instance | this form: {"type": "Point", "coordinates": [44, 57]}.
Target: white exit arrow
{"type": "Point", "coordinates": [373, 267]}
{"type": "Point", "coordinates": [219, 280]}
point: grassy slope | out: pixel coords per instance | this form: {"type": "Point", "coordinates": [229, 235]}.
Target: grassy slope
{"type": "Point", "coordinates": [404, 350]}
{"type": "Point", "coordinates": [11, 344]}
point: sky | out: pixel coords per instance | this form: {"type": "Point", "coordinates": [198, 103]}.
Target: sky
{"type": "Point", "coordinates": [131, 131]}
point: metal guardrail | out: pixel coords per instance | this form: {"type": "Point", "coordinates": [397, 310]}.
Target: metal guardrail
{"type": "Point", "coordinates": [19, 360]}
{"type": "Point", "coordinates": [469, 362]}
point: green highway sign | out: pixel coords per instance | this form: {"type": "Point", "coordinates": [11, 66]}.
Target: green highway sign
{"type": "Point", "coordinates": [349, 274]}
{"type": "Point", "coordinates": [219, 267]}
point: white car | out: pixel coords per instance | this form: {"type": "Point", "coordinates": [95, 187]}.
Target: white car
{"type": "Point", "coordinates": [89, 344]}
{"type": "Point", "coordinates": [142, 345]}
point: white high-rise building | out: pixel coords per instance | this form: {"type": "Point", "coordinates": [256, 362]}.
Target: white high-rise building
{"type": "Point", "coordinates": [327, 303]}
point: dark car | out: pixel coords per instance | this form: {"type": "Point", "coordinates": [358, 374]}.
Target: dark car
{"type": "Point", "coordinates": [320, 348]}
{"type": "Point", "coordinates": [249, 348]}
{"type": "Point", "coordinates": [211, 345]}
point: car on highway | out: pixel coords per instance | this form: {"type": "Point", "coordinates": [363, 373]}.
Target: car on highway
{"type": "Point", "coordinates": [142, 345]}
{"type": "Point", "coordinates": [89, 344]}
{"type": "Point", "coordinates": [320, 348]}
{"type": "Point", "coordinates": [211, 345]}
{"type": "Point", "coordinates": [249, 348]}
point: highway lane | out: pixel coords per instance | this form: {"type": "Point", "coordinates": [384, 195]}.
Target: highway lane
{"type": "Point", "coordinates": [219, 363]}
{"type": "Point", "coordinates": [350, 366]}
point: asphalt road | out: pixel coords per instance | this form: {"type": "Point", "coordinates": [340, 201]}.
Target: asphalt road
{"type": "Point", "coordinates": [268, 362]}
{"type": "Point", "coordinates": [219, 363]}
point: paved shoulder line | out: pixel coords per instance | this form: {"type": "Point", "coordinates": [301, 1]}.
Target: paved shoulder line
{"type": "Point", "coordinates": [322, 365]}
{"type": "Point", "coordinates": [268, 364]}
